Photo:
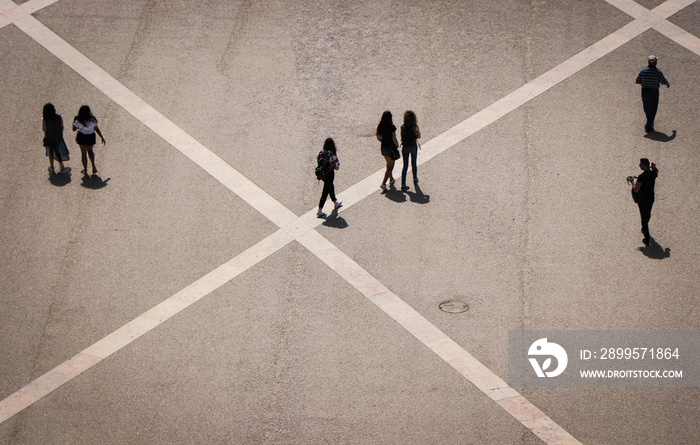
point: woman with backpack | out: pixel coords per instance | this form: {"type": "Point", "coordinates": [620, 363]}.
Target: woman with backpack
{"type": "Point", "coordinates": [86, 125]}
{"type": "Point", "coordinates": [329, 158]}
{"type": "Point", "coordinates": [386, 134]}
{"type": "Point", "coordinates": [410, 133]}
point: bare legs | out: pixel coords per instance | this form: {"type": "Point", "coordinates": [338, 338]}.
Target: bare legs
{"type": "Point", "coordinates": [388, 176]}
{"type": "Point", "coordinates": [86, 151]}
{"type": "Point", "coordinates": [54, 154]}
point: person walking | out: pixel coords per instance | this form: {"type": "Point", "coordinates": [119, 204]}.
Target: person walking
{"type": "Point", "coordinates": [386, 134]}
{"type": "Point", "coordinates": [87, 125]}
{"type": "Point", "coordinates": [330, 154]}
{"type": "Point", "coordinates": [651, 79]}
{"type": "Point", "coordinates": [410, 133]}
{"type": "Point", "coordinates": [643, 188]}
{"type": "Point", "coordinates": [52, 125]}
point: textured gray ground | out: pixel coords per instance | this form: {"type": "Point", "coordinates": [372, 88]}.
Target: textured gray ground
{"type": "Point", "coordinates": [528, 220]}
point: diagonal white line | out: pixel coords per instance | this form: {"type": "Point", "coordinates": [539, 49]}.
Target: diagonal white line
{"type": "Point", "coordinates": [437, 341]}
{"type": "Point", "coordinates": [301, 228]}
{"type": "Point", "coordinates": [6, 5]}
{"type": "Point", "coordinates": [679, 35]}
{"type": "Point", "coordinates": [258, 200]}
{"type": "Point", "coordinates": [657, 20]}
{"type": "Point", "coordinates": [186, 144]}
{"type": "Point", "coordinates": [141, 325]}
{"type": "Point", "coordinates": [33, 6]}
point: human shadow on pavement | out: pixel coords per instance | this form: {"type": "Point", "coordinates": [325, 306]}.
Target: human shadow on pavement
{"type": "Point", "coordinates": [335, 221]}
{"type": "Point", "coordinates": [94, 182]}
{"type": "Point", "coordinates": [394, 194]}
{"type": "Point", "coordinates": [418, 196]}
{"type": "Point", "coordinates": [655, 251]}
{"type": "Point", "coordinates": [660, 137]}
{"type": "Point", "coordinates": [60, 179]}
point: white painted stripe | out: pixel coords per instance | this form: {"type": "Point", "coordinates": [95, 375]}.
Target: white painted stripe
{"type": "Point", "coordinates": [658, 16]}
{"type": "Point", "coordinates": [439, 343]}
{"type": "Point", "coordinates": [178, 138]}
{"type": "Point", "coordinates": [629, 7]}
{"type": "Point", "coordinates": [301, 228]}
{"type": "Point", "coordinates": [6, 5]}
{"type": "Point", "coordinates": [670, 7]}
{"type": "Point", "coordinates": [14, 14]}
{"type": "Point", "coordinates": [679, 35]}
{"type": "Point", "coordinates": [33, 6]}
{"type": "Point", "coordinates": [502, 107]}
{"type": "Point", "coordinates": [141, 325]}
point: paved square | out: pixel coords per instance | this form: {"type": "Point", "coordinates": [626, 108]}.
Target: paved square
{"type": "Point", "coordinates": [188, 294]}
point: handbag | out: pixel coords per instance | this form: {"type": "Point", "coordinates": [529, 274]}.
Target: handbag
{"type": "Point", "coordinates": [395, 153]}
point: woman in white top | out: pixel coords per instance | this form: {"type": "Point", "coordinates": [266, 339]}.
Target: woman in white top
{"type": "Point", "coordinates": [86, 125]}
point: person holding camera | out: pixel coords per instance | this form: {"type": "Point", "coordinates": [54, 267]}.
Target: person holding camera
{"type": "Point", "coordinates": [643, 191]}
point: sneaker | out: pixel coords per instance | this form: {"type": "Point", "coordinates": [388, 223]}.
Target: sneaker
{"type": "Point", "coordinates": [61, 166]}
{"type": "Point", "coordinates": [52, 170]}
{"type": "Point", "coordinates": [404, 188]}
{"type": "Point", "coordinates": [392, 181]}
{"type": "Point", "coordinates": [415, 180]}
{"type": "Point", "coordinates": [338, 204]}
{"type": "Point", "coordinates": [383, 187]}
{"type": "Point", "coordinates": [320, 214]}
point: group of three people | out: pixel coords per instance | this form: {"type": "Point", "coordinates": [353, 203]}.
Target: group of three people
{"type": "Point", "coordinates": [85, 123]}
{"type": "Point", "coordinates": [386, 135]}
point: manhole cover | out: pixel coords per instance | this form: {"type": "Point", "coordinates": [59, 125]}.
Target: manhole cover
{"type": "Point", "coordinates": [454, 307]}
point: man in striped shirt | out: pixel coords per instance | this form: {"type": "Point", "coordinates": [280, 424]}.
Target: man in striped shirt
{"type": "Point", "coordinates": [651, 79]}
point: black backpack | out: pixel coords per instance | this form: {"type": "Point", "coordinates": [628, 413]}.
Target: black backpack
{"type": "Point", "coordinates": [323, 165]}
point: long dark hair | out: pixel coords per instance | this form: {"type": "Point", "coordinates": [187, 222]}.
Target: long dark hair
{"type": "Point", "coordinates": [84, 115]}
{"type": "Point", "coordinates": [385, 122]}
{"type": "Point", "coordinates": [49, 112]}
{"type": "Point", "coordinates": [329, 145]}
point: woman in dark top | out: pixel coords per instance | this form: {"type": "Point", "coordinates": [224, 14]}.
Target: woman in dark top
{"type": "Point", "coordinates": [52, 124]}
{"type": "Point", "coordinates": [410, 133]}
{"type": "Point", "coordinates": [331, 154]}
{"type": "Point", "coordinates": [386, 134]}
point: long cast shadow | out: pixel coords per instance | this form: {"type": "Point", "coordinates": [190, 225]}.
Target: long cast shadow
{"type": "Point", "coordinates": [60, 179]}
{"type": "Point", "coordinates": [394, 194]}
{"type": "Point", "coordinates": [660, 137]}
{"type": "Point", "coordinates": [418, 196]}
{"type": "Point", "coordinates": [655, 251]}
{"type": "Point", "coordinates": [94, 182]}
{"type": "Point", "coordinates": [335, 221]}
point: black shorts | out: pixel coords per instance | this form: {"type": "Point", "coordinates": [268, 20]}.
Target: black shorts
{"type": "Point", "coordinates": [85, 139]}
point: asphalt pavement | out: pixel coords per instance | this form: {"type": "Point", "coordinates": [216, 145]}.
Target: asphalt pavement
{"type": "Point", "coordinates": [186, 293]}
